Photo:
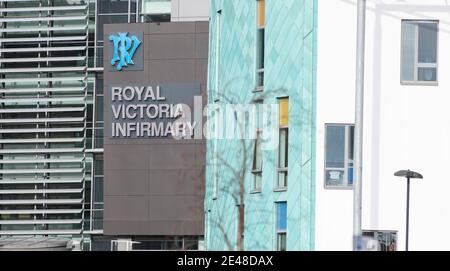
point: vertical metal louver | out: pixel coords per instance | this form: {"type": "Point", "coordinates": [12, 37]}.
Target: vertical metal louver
{"type": "Point", "coordinates": [43, 112]}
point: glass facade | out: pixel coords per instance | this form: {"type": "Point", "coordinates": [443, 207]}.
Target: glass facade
{"type": "Point", "coordinates": [46, 111]}
{"type": "Point", "coordinates": [51, 112]}
{"type": "Point", "coordinates": [265, 53]}
{"type": "Point", "coordinates": [155, 11]}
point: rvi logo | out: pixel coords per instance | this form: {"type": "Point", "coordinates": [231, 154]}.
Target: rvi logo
{"type": "Point", "coordinates": [124, 49]}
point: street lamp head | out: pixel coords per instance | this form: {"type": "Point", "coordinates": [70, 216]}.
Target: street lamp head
{"type": "Point", "coordinates": [408, 174]}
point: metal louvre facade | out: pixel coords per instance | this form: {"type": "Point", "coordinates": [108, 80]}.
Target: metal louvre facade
{"type": "Point", "coordinates": [43, 116]}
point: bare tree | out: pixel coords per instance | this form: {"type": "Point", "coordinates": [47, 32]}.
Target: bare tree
{"type": "Point", "coordinates": [235, 186]}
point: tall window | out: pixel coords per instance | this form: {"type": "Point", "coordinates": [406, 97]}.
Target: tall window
{"type": "Point", "coordinates": [283, 143]}
{"type": "Point", "coordinates": [257, 163]}
{"type": "Point", "coordinates": [419, 51]}
{"type": "Point", "coordinates": [261, 21]}
{"type": "Point", "coordinates": [339, 156]}
{"type": "Point", "coordinates": [98, 194]}
{"type": "Point", "coordinates": [257, 151]}
{"type": "Point", "coordinates": [214, 173]}
{"type": "Point", "coordinates": [217, 56]}
{"type": "Point", "coordinates": [281, 225]}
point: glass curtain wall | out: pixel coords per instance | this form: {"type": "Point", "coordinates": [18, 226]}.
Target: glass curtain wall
{"type": "Point", "coordinates": [44, 115]}
{"type": "Point", "coordinates": [51, 111]}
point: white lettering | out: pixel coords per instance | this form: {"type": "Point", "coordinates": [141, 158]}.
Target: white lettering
{"type": "Point", "coordinates": [158, 94]}
{"type": "Point", "coordinates": [116, 111]}
{"type": "Point", "coordinates": [146, 129]}
{"type": "Point", "coordinates": [120, 129]}
{"type": "Point", "coordinates": [149, 94]}
{"type": "Point", "coordinates": [128, 94]}
{"type": "Point", "coordinates": [169, 129]}
{"type": "Point", "coordinates": [149, 111]}
{"type": "Point", "coordinates": [117, 94]}
{"type": "Point", "coordinates": [158, 129]}
{"type": "Point", "coordinates": [164, 111]}
{"type": "Point", "coordinates": [129, 114]}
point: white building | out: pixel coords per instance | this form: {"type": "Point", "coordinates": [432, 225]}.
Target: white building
{"type": "Point", "coordinates": [406, 121]}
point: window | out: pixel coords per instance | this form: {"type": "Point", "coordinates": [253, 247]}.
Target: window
{"type": "Point", "coordinates": [387, 240]}
{"type": "Point", "coordinates": [116, 6]}
{"type": "Point", "coordinates": [261, 21]}
{"type": "Point", "coordinates": [214, 170]}
{"type": "Point", "coordinates": [155, 11]}
{"type": "Point", "coordinates": [283, 143]}
{"type": "Point", "coordinates": [109, 19]}
{"type": "Point", "coordinates": [155, 18]}
{"type": "Point", "coordinates": [419, 51]}
{"type": "Point", "coordinates": [213, 150]}
{"type": "Point", "coordinates": [99, 118]}
{"type": "Point", "coordinates": [114, 11]}
{"type": "Point", "coordinates": [281, 225]}
{"type": "Point", "coordinates": [257, 151]}
{"type": "Point", "coordinates": [257, 163]}
{"type": "Point", "coordinates": [339, 155]}
{"type": "Point", "coordinates": [98, 194]}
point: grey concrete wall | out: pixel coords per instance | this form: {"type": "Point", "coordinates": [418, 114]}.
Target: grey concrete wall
{"type": "Point", "coordinates": [156, 186]}
{"type": "Point", "coordinates": [190, 10]}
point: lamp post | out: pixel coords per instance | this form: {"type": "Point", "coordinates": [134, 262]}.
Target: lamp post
{"type": "Point", "coordinates": [408, 175]}
{"type": "Point", "coordinates": [359, 115]}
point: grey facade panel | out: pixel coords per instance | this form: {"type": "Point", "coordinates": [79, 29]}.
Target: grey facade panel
{"type": "Point", "coordinates": [175, 182]}
{"type": "Point", "coordinates": [163, 70]}
{"type": "Point", "coordinates": [134, 184]}
{"type": "Point", "coordinates": [173, 46]}
{"type": "Point", "coordinates": [201, 71]}
{"type": "Point", "coordinates": [172, 28]}
{"type": "Point", "coordinates": [172, 157]}
{"type": "Point", "coordinates": [128, 227]}
{"type": "Point", "coordinates": [155, 187]}
{"type": "Point", "coordinates": [201, 47]}
{"type": "Point", "coordinates": [137, 161]}
{"type": "Point", "coordinates": [181, 208]}
{"type": "Point", "coordinates": [202, 27]}
{"type": "Point", "coordinates": [127, 208]}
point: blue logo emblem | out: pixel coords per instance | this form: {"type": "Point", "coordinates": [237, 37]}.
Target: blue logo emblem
{"type": "Point", "coordinates": [124, 49]}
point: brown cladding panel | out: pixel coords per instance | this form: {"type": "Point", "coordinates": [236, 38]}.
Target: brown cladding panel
{"type": "Point", "coordinates": [174, 46]}
{"type": "Point", "coordinates": [155, 187]}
